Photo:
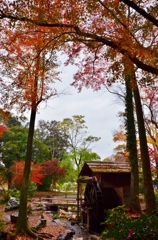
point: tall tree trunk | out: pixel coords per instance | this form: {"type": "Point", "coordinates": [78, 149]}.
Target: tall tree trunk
{"type": "Point", "coordinates": [22, 218]}
{"type": "Point", "coordinates": [157, 174]}
{"type": "Point", "coordinates": [132, 147]}
{"type": "Point", "coordinates": [147, 177]}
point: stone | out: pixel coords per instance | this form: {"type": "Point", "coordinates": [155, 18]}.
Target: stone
{"type": "Point", "coordinates": [12, 204]}
{"type": "Point", "coordinates": [66, 236]}
{"type": "Point", "coordinates": [14, 217]}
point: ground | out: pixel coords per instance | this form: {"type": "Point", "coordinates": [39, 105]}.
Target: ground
{"type": "Point", "coordinates": [53, 227]}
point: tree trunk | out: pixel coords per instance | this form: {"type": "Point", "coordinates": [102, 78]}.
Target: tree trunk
{"type": "Point", "coordinates": [22, 218]}
{"type": "Point", "coordinates": [132, 147]}
{"type": "Point", "coordinates": [147, 177]}
{"type": "Point", "coordinates": [156, 174]}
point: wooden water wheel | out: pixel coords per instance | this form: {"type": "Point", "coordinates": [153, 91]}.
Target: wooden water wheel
{"type": "Point", "coordinates": [94, 203]}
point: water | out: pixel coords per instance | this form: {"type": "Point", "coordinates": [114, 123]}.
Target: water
{"type": "Point", "coordinates": [80, 234]}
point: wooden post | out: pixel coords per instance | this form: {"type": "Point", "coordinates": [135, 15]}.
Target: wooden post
{"type": "Point", "coordinates": [78, 187]}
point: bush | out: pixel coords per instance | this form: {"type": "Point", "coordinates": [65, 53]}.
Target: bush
{"type": "Point", "coordinates": [46, 183]}
{"type": "Point", "coordinates": [32, 189]}
{"type": "Point", "coordinates": [120, 226]}
{"type": "Point", "coordinates": [7, 194]}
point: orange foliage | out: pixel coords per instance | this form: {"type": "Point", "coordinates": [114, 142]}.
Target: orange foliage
{"type": "Point", "coordinates": [2, 129]}
{"type": "Point", "coordinates": [18, 169]}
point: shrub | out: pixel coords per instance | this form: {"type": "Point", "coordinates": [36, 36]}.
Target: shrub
{"type": "Point", "coordinates": [7, 194]}
{"type": "Point", "coordinates": [32, 189]}
{"type": "Point", "coordinates": [120, 226]}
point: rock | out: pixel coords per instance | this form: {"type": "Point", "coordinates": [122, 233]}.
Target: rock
{"type": "Point", "coordinates": [12, 204]}
{"type": "Point", "coordinates": [41, 224]}
{"type": "Point", "coordinates": [68, 215]}
{"type": "Point", "coordinates": [57, 221]}
{"type": "Point", "coordinates": [42, 236]}
{"type": "Point", "coordinates": [66, 236]}
{"type": "Point", "coordinates": [14, 217]}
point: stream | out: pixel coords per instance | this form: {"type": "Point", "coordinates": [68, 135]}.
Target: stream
{"type": "Point", "coordinates": [80, 232]}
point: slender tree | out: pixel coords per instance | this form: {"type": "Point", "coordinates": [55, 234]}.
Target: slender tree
{"type": "Point", "coordinates": [27, 87]}
{"type": "Point", "coordinates": [79, 142]}
{"type": "Point", "coordinates": [132, 145]}
{"type": "Point", "coordinates": [147, 177]}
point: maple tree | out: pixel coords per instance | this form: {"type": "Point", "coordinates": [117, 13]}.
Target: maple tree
{"type": "Point", "coordinates": [52, 171]}
{"type": "Point", "coordinates": [29, 71]}
{"type": "Point", "coordinates": [95, 21]}
{"type": "Point", "coordinates": [102, 30]}
{"type": "Point", "coordinates": [18, 171]}
{"type": "Point", "coordinates": [2, 129]}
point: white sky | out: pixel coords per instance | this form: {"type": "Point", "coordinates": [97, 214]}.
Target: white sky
{"type": "Point", "coordinates": [99, 108]}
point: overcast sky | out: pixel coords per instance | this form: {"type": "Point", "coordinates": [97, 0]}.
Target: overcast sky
{"type": "Point", "coordinates": [99, 108]}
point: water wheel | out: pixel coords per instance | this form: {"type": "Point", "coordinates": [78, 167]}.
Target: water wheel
{"type": "Point", "coordinates": [94, 202]}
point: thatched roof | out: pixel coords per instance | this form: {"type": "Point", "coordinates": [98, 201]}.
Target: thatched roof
{"type": "Point", "coordinates": [104, 167]}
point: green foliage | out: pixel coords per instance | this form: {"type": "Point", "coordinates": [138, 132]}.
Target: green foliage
{"type": "Point", "coordinates": [41, 150]}
{"type": "Point", "coordinates": [79, 142]}
{"type": "Point", "coordinates": [71, 173]}
{"type": "Point", "coordinates": [46, 183]}
{"type": "Point", "coordinates": [67, 186]}
{"type": "Point", "coordinates": [13, 121]}
{"type": "Point", "coordinates": [120, 226]}
{"type": "Point", "coordinates": [13, 145]}
{"type": "Point", "coordinates": [53, 135]}
{"type": "Point", "coordinates": [115, 216]}
{"type": "Point", "coordinates": [7, 194]}
{"type": "Point", "coordinates": [32, 189]}
{"type": "Point", "coordinates": [77, 158]}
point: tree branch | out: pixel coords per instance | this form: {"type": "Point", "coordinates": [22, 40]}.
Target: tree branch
{"type": "Point", "coordinates": [95, 37]}
{"type": "Point", "coordinates": [114, 45]}
{"type": "Point", "coordinates": [141, 11]}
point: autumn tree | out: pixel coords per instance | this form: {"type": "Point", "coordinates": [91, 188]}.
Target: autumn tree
{"type": "Point", "coordinates": [108, 30]}
{"type": "Point", "coordinates": [52, 172]}
{"type": "Point", "coordinates": [73, 19]}
{"type": "Point", "coordinates": [120, 152]}
{"type": "Point", "coordinates": [29, 71]}
{"type": "Point", "coordinates": [18, 171]}
{"type": "Point", "coordinates": [2, 129]}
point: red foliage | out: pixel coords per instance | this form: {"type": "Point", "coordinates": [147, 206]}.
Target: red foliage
{"type": "Point", "coordinates": [153, 158]}
{"type": "Point", "coordinates": [52, 167]}
{"type": "Point", "coordinates": [18, 169]}
{"type": "Point", "coordinates": [2, 129]}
